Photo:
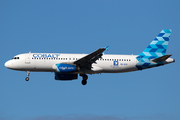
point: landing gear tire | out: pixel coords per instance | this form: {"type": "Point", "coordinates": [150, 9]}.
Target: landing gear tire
{"type": "Point", "coordinates": [85, 77]}
{"type": "Point", "coordinates": [84, 82]}
{"type": "Point", "coordinates": [27, 78]}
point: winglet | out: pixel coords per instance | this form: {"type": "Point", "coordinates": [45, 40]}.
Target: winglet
{"type": "Point", "coordinates": [107, 48]}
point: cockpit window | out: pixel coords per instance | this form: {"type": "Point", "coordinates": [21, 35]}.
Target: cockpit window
{"type": "Point", "coordinates": [15, 57]}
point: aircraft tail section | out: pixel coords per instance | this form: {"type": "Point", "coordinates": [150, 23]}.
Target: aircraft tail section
{"type": "Point", "coordinates": [161, 59]}
{"type": "Point", "coordinates": [156, 49]}
{"type": "Point", "coordinates": [158, 46]}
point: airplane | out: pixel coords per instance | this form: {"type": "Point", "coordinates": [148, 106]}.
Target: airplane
{"type": "Point", "coordinates": [68, 66]}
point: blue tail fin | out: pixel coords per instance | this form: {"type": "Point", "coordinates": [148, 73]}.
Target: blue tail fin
{"type": "Point", "coordinates": [157, 48]}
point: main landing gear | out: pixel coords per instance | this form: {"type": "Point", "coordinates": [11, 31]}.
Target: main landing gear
{"type": "Point", "coordinates": [84, 81]}
{"type": "Point", "coordinates": [27, 78]}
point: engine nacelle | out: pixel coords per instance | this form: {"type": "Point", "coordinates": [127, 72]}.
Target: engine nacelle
{"type": "Point", "coordinates": [62, 76]}
{"type": "Point", "coordinates": [66, 68]}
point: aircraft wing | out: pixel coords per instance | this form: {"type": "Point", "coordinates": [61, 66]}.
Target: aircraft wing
{"type": "Point", "coordinates": [87, 61]}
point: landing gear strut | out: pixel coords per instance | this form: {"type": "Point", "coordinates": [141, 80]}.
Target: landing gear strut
{"type": "Point", "coordinates": [27, 78]}
{"type": "Point", "coordinates": [84, 81]}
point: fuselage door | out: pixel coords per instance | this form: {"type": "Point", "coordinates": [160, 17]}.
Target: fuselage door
{"type": "Point", "coordinates": [27, 58]}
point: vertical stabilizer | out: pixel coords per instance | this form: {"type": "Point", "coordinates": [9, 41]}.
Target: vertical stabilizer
{"type": "Point", "coordinates": [157, 48]}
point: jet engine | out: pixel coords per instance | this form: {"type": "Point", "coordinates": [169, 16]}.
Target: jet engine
{"type": "Point", "coordinates": [62, 76]}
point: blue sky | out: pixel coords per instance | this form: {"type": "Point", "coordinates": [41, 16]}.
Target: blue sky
{"type": "Point", "coordinates": [83, 26]}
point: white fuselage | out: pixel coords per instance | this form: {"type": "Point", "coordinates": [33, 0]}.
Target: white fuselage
{"type": "Point", "coordinates": [46, 62]}
{"type": "Point", "coordinates": [68, 66]}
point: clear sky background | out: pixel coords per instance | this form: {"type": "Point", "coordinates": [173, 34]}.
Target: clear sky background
{"type": "Point", "coordinates": [83, 26]}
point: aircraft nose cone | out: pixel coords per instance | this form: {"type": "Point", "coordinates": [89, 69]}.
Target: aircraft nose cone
{"type": "Point", "coordinates": [7, 64]}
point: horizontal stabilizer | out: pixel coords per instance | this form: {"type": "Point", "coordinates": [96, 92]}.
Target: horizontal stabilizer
{"type": "Point", "coordinates": [160, 59]}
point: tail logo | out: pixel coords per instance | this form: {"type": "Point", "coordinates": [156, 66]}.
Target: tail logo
{"type": "Point", "coordinates": [156, 48]}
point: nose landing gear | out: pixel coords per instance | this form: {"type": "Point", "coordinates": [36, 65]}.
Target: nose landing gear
{"type": "Point", "coordinates": [84, 81]}
{"type": "Point", "coordinates": [27, 78]}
